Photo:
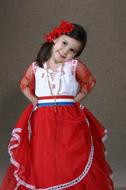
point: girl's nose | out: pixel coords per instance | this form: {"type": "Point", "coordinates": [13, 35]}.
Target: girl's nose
{"type": "Point", "coordinates": [65, 50]}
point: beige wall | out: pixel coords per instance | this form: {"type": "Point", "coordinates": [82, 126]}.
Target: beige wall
{"type": "Point", "coordinates": [22, 26]}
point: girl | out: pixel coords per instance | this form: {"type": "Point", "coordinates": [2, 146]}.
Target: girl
{"type": "Point", "coordinates": [57, 143]}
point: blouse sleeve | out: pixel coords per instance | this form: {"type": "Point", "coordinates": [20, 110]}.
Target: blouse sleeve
{"type": "Point", "coordinates": [84, 78]}
{"type": "Point", "coordinates": [28, 80]}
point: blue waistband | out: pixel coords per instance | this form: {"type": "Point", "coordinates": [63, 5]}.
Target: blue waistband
{"type": "Point", "coordinates": [55, 104]}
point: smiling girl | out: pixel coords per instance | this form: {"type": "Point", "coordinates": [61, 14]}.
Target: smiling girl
{"type": "Point", "coordinates": [57, 143]}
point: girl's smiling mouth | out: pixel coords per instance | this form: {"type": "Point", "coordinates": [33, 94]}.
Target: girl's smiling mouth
{"type": "Point", "coordinates": [61, 55]}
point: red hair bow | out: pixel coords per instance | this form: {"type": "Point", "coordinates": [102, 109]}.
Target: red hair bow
{"type": "Point", "coordinates": [63, 28]}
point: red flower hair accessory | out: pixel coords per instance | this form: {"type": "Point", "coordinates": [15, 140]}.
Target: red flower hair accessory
{"type": "Point", "coordinates": [63, 28]}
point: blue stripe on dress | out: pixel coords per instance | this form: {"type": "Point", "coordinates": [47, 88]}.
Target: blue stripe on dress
{"type": "Point", "coordinates": [55, 104]}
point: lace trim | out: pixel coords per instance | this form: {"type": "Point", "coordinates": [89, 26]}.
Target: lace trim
{"type": "Point", "coordinates": [34, 66]}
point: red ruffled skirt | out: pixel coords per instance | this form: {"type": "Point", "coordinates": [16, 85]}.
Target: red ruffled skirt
{"type": "Point", "coordinates": [57, 147]}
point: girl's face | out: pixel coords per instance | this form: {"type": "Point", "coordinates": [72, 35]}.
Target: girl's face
{"type": "Point", "coordinates": [65, 48]}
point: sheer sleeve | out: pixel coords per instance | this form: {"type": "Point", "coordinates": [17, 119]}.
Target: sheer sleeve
{"type": "Point", "coordinates": [28, 80]}
{"type": "Point", "coordinates": [84, 78]}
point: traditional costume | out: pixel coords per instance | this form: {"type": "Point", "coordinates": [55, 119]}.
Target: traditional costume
{"type": "Point", "coordinates": [57, 144]}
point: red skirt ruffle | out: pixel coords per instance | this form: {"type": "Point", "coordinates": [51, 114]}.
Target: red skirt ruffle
{"type": "Point", "coordinates": [56, 148]}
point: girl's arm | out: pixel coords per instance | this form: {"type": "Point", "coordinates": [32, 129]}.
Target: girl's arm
{"type": "Point", "coordinates": [27, 85]}
{"type": "Point", "coordinates": [85, 79]}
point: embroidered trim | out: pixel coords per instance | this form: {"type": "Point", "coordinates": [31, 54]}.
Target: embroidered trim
{"type": "Point", "coordinates": [74, 66]}
{"type": "Point", "coordinates": [29, 125]}
{"type": "Point", "coordinates": [34, 66]}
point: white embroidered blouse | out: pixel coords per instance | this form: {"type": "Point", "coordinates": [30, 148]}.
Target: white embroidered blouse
{"type": "Point", "coordinates": [74, 75]}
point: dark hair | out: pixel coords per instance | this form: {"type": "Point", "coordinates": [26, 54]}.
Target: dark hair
{"type": "Point", "coordinates": [77, 33]}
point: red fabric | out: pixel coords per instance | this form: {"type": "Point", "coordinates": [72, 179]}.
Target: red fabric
{"type": "Point", "coordinates": [59, 149]}
{"type": "Point", "coordinates": [28, 80]}
{"type": "Point", "coordinates": [64, 27]}
{"type": "Point", "coordinates": [84, 77]}
{"type": "Point", "coordinates": [57, 97]}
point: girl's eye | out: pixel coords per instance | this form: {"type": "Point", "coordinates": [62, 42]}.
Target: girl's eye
{"type": "Point", "coordinates": [64, 43]}
{"type": "Point", "coordinates": [73, 51]}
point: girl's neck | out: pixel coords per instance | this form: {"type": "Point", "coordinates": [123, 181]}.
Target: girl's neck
{"type": "Point", "coordinates": [52, 64]}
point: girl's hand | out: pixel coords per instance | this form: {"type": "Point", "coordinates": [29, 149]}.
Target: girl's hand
{"type": "Point", "coordinates": [80, 96]}
{"type": "Point", "coordinates": [35, 101]}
